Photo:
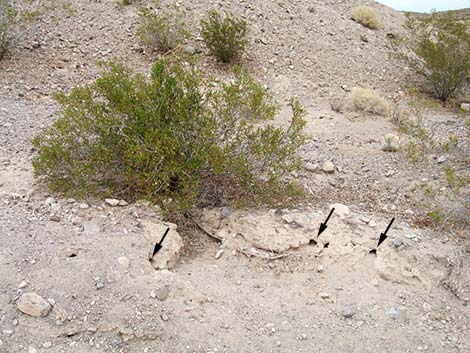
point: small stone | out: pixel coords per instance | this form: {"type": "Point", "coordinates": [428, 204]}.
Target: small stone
{"type": "Point", "coordinates": [153, 294]}
{"type": "Point", "coordinates": [219, 254]}
{"type": "Point", "coordinates": [112, 202]}
{"type": "Point", "coordinates": [311, 9]}
{"type": "Point", "coordinates": [83, 206]}
{"type": "Point", "coordinates": [99, 284]}
{"type": "Point", "coordinates": [49, 201]}
{"type": "Point", "coordinates": [123, 203]}
{"type": "Point", "coordinates": [328, 167]}
{"type": "Point", "coordinates": [372, 224]}
{"type": "Point", "coordinates": [32, 350]}
{"type": "Point", "coordinates": [23, 284]}
{"type": "Point", "coordinates": [71, 252]}
{"type": "Point", "coordinates": [364, 38]}
{"type": "Point", "coordinates": [164, 317]}
{"type": "Point", "coordinates": [441, 159]}
{"type": "Point", "coordinates": [8, 332]}
{"type": "Point", "coordinates": [124, 261]}
{"type": "Point", "coordinates": [320, 269]}
{"type": "Point", "coordinates": [391, 143]}
{"type": "Point", "coordinates": [323, 295]}
{"type": "Point", "coordinates": [397, 242]}
{"type": "Point", "coordinates": [47, 345]}
{"type": "Point", "coordinates": [465, 107]}
{"type": "Point", "coordinates": [409, 212]}
{"type": "Point", "coordinates": [54, 218]}
{"type": "Point", "coordinates": [397, 313]}
{"type": "Point", "coordinates": [33, 305]}
{"type": "Point", "coordinates": [77, 221]}
{"type": "Point", "coordinates": [311, 167]}
{"type": "Point", "coordinates": [162, 293]}
{"type": "Point", "coordinates": [226, 212]}
{"type": "Point", "coordinates": [91, 228]}
{"type": "Point", "coordinates": [190, 50]}
{"type": "Point", "coordinates": [349, 311]}
{"type": "Point", "coordinates": [341, 210]}
{"type": "Point", "coordinates": [51, 301]}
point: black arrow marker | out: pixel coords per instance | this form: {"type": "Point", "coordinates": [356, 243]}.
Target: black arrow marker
{"type": "Point", "coordinates": [383, 235]}
{"type": "Point", "coordinates": [158, 246]}
{"type": "Point", "coordinates": [323, 225]}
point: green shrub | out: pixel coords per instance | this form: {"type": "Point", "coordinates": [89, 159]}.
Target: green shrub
{"type": "Point", "coordinates": [224, 36]}
{"type": "Point", "coordinates": [167, 138]}
{"type": "Point", "coordinates": [163, 31]}
{"type": "Point", "coordinates": [366, 16]}
{"type": "Point", "coordinates": [440, 52]}
{"type": "Point", "coordinates": [7, 16]}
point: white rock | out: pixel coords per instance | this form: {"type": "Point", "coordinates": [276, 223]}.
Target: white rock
{"type": "Point", "coordinates": [32, 350]}
{"type": "Point", "coordinates": [33, 305]}
{"type": "Point", "coordinates": [49, 201]}
{"type": "Point", "coordinates": [391, 143]}
{"type": "Point", "coordinates": [323, 295]}
{"type": "Point", "coordinates": [219, 254]}
{"type": "Point", "coordinates": [465, 106]}
{"type": "Point", "coordinates": [341, 210]}
{"type": "Point", "coordinates": [168, 256]}
{"type": "Point", "coordinates": [441, 159]}
{"type": "Point", "coordinates": [311, 167]}
{"type": "Point", "coordinates": [23, 284]}
{"type": "Point", "coordinates": [47, 345]}
{"type": "Point", "coordinates": [83, 206]}
{"type": "Point", "coordinates": [112, 202]}
{"type": "Point", "coordinates": [123, 203]}
{"type": "Point", "coordinates": [124, 261]}
{"type": "Point", "coordinates": [372, 224]}
{"type": "Point", "coordinates": [328, 167]}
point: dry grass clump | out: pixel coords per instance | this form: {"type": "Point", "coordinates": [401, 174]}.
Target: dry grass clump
{"type": "Point", "coordinates": [368, 100]}
{"type": "Point", "coordinates": [366, 16]}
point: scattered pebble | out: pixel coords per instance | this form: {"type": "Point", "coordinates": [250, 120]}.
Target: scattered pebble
{"type": "Point", "coordinates": [33, 305]}
{"type": "Point", "coordinates": [311, 167]}
{"type": "Point", "coordinates": [349, 311]}
{"type": "Point", "coordinates": [324, 295]}
{"type": "Point", "coordinates": [328, 167]}
{"type": "Point", "coordinates": [99, 284]}
{"type": "Point", "coordinates": [112, 202]}
{"type": "Point", "coordinates": [397, 242]}
{"type": "Point", "coordinates": [219, 254]}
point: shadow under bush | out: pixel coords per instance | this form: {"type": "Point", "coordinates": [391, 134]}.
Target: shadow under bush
{"type": "Point", "coordinates": [166, 137]}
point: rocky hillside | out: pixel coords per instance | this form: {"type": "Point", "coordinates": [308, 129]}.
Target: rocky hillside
{"type": "Point", "coordinates": [298, 48]}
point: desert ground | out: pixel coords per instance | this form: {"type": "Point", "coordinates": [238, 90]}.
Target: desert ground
{"type": "Point", "coordinates": [239, 280]}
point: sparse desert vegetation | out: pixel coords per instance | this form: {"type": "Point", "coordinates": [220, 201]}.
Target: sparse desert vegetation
{"type": "Point", "coordinates": [7, 15]}
{"type": "Point", "coordinates": [163, 30]}
{"type": "Point", "coordinates": [224, 35]}
{"type": "Point", "coordinates": [366, 16]}
{"type": "Point", "coordinates": [440, 52]}
{"type": "Point", "coordinates": [109, 134]}
{"type": "Point", "coordinates": [367, 100]}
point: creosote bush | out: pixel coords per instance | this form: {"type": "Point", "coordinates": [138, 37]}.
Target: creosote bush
{"type": "Point", "coordinates": [163, 31]}
{"type": "Point", "coordinates": [168, 137]}
{"type": "Point", "coordinates": [368, 100]}
{"type": "Point", "coordinates": [224, 36]}
{"type": "Point", "coordinates": [440, 52]}
{"type": "Point", "coordinates": [7, 16]}
{"type": "Point", "coordinates": [366, 16]}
